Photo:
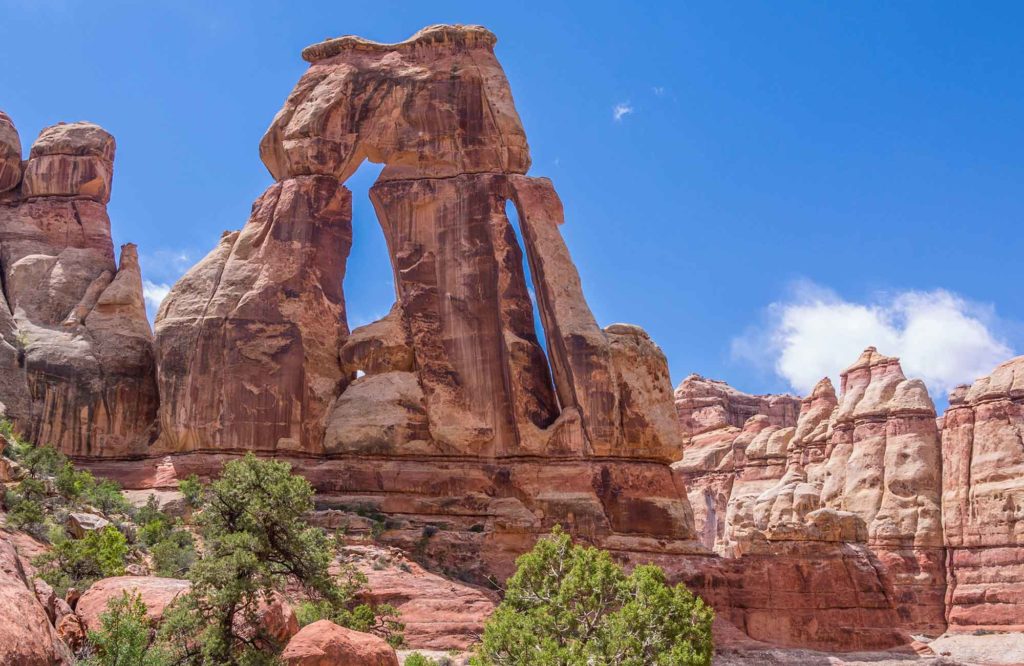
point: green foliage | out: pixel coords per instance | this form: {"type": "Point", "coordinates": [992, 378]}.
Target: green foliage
{"type": "Point", "coordinates": [192, 490]}
{"type": "Point", "coordinates": [123, 638]}
{"type": "Point", "coordinates": [81, 562]}
{"type": "Point", "coordinates": [173, 555]}
{"type": "Point", "coordinates": [256, 542]}
{"type": "Point", "coordinates": [417, 659]}
{"type": "Point", "coordinates": [25, 509]}
{"type": "Point", "coordinates": [155, 525]}
{"type": "Point", "coordinates": [107, 497]}
{"type": "Point", "coordinates": [570, 605]}
{"type": "Point", "coordinates": [41, 460]}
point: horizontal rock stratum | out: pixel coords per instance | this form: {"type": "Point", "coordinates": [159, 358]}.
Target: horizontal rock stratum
{"type": "Point", "coordinates": [846, 520]}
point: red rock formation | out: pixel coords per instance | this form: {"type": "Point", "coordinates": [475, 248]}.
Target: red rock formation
{"type": "Point", "coordinates": [76, 358]}
{"type": "Point", "coordinates": [445, 410]}
{"type": "Point", "coordinates": [983, 501]}
{"type": "Point", "coordinates": [438, 613]}
{"type": "Point", "coordinates": [708, 404]}
{"type": "Point", "coordinates": [27, 636]}
{"type": "Point", "coordinates": [872, 458]}
{"type": "Point", "coordinates": [156, 594]}
{"type": "Point", "coordinates": [324, 643]}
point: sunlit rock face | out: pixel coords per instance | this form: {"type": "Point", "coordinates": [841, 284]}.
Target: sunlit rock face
{"type": "Point", "coordinates": [983, 500]}
{"type": "Point", "coordinates": [76, 355]}
{"type": "Point", "coordinates": [448, 409]}
{"type": "Point", "coordinates": [861, 468]}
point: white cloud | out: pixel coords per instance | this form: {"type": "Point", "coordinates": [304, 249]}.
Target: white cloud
{"type": "Point", "coordinates": [154, 295]}
{"type": "Point", "coordinates": [939, 336]}
{"type": "Point", "coordinates": [621, 110]}
{"type": "Point", "coordinates": [658, 90]}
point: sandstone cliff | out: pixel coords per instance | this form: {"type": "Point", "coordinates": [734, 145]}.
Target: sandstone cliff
{"type": "Point", "coordinates": [983, 500]}
{"type": "Point", "coordinates": [861, 469]}
{"type": "Point", "coordinates": [76, 356]}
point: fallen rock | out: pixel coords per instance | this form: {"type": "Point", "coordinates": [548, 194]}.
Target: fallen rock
{"type": "Point", "coordinates": [79, 524]}
{"type": "Point", "coordinates": [324, 643]}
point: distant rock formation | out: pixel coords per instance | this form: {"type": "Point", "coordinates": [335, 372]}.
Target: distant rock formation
{"type": "Point", "coordinates": [448, 408]}
{"type": "Point", "coordinates": [76, 355]}
{"type": "Point", "coordinates": [983, 501]}
{"type": "Point", "coordinates": [864, 468]}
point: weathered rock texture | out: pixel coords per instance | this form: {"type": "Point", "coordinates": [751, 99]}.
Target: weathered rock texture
{"type": "Point", "coordinates": [76, 356]}
{"type": "Point", "coordinates": [448, 410]}
{"type": "Point", "coordinates": [983, 501]}
{"type": "Point", "coordinates": [862, 469]}
{"type": "Point", "coordinates": [27, 635]}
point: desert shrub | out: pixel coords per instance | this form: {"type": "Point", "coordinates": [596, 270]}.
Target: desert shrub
{"type": "Point", "coordinates": [192, 491]}
{"type": "Point", "coordinates": [124, 635]}
{"type": "Point", "coordinates": [106, 496]}
{"type": "Point", "coordinates": [25, 510]}
{"type": "Point", "coordinates": [81, 562]}
{"type": "Point", "coordinates": [256, 541]}
{"type": "Point", "coordinates": [417, 659]}
{"type": "Point", "coordinates": [41, 460]}
{"type": "Point", "coordinates": [569, 605]}
{"type": "Point", "coordinates": [73, 484]}
{"type": "Point", "coordinates": [154, 525]}
{"type": "Point", "coordinates": [174, 554]}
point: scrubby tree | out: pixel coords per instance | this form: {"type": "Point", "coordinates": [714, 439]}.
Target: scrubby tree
{"type": "Point", "coordinates": [123, 636]}
{"type": "Point", "coordinates": [256, 541]}
{"type": "Point", "coordinates": [570, 605]}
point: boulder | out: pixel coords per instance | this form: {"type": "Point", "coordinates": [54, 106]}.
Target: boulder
{"type": "Point", "coordinates": [156, 594]}
{"type": "Point", "coordinates": [27, 637]}
{"type": "Point", "coordinates": [79, 524]}
{"type": "Point", "coordinates": [324, 643]}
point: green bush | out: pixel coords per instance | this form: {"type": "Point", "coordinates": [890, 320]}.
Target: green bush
{"type": "Point", "coordinates": [173, 555]}
{"type": "Point", "coordinates": [417, 659]}
{"type": "Point", "coordinates": [81, 562]}
{"type": "Point", "coordinates": [107, 497]}
{"type": "Point", "coordinates": [569, 605]}
{"type": "Point", "coordinates": [192, 490]}
{"type": "Point", "coordinates": [25, 506]}
{"type": "Point", "coordinates": [41, 460]}
{"type": "Point", "coordinates": [256, 543]}
{"type": "Point", "coordinates": [123, 637]}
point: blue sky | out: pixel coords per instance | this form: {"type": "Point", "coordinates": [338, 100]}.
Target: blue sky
{"type": "Point", "coordinates": [765, 187]}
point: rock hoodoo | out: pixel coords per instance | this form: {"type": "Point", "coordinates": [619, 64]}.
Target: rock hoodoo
{"type": "Point", "coordinates": [76, 355]}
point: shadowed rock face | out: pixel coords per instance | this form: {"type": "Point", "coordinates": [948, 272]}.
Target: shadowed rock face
{"type": "Point", "coordinates": [983, 500]}
{"type": "Point", "coordinates": [447, 409]}
{"type": "Point", "coordinates": [76, 354]}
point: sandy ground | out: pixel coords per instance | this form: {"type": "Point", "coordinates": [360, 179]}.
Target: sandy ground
{"type": "Point", "coordinates": [950, 650]}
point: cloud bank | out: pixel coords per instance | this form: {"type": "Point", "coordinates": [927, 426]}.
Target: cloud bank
{"type": "Point", "coordinates": [154, 294]}
{"type": "Point", "coordinates": [939, 336]}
